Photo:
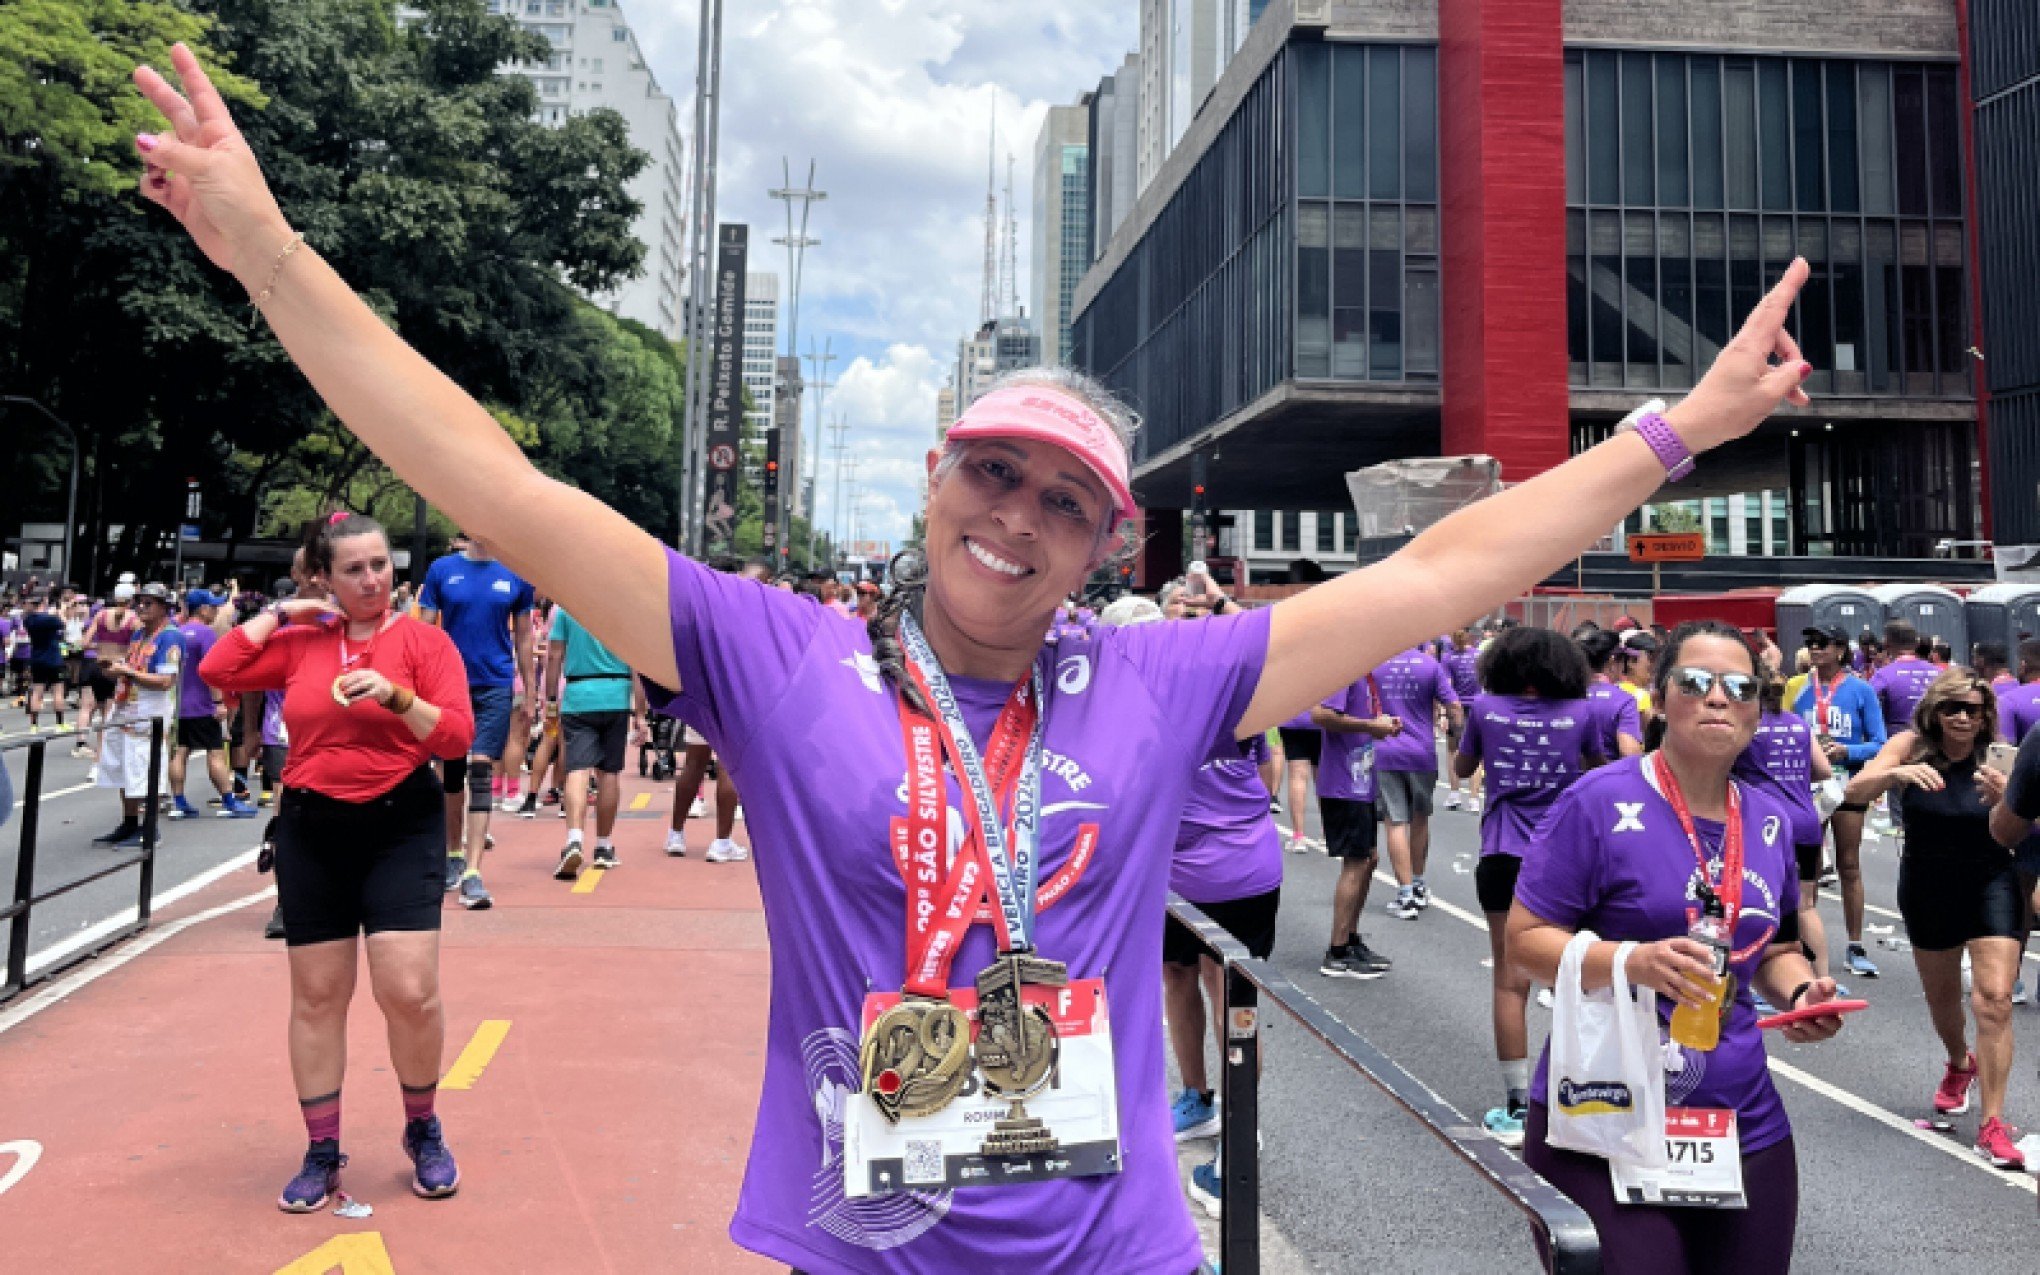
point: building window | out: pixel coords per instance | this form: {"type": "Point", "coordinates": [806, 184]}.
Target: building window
{"type": "Point", "coordinates": [1327, 532]}
{"type": "Point", "coordinates": [617, 35]}
{"type": "Point", "coordinates": [1292, 531]}
{"type": "Point", "coordinates": [1264, 529]}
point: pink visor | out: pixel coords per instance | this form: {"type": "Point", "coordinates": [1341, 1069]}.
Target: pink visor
{"type": "Point", "coordinates": [1048, 416]}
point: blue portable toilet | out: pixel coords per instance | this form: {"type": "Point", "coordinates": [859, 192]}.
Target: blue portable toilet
{"type": "Point", "coordinates": [1826, 606]}
{"type": "Point", "coordinates": [2007, 613]}
{"type": "Point", "coordinates": [1934, 611]}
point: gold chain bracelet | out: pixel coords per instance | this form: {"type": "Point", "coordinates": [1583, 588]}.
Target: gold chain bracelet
{"type": "Point", "coordinates": [276, 269]}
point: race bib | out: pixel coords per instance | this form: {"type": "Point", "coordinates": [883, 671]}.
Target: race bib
{"type": "Point", "coordinates": [1703, 1167]}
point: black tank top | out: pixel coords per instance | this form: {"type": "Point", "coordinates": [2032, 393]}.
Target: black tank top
{"type": "Point", "coordinates": [1950, 824]}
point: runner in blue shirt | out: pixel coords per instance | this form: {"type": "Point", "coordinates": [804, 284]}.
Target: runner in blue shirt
{"type": "Point", "coordinates": [1848, 722]}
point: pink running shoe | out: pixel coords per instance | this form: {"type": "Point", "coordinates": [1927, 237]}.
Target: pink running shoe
{"type": "Point", "coordinates": [1952, 1098]}
{"type": "Point", "coordinates": [1994, 1143]}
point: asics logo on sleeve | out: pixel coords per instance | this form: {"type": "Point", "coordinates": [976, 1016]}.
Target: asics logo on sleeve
{"type": "Point", "coordinates": [1771, 825]}
{"type": "Point", "coordinates": [1629, 816]}
{"type": "Point", "coordinates": [1073, 675]}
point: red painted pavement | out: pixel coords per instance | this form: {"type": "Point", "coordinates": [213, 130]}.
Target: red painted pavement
{"type": "Point", "coordinates": [608, 1133]}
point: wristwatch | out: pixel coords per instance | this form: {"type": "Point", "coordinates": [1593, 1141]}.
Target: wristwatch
{"type": "Point", "coordinates": [1649, 423]}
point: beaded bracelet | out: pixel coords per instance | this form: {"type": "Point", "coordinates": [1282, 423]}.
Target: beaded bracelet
{"type": "Point", "coordinates": [276, 268]}
{"type": "Point", "coordinates": [401, 699]}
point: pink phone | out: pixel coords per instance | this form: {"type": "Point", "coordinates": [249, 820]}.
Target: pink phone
{"type": "Point", "coordinates": [1826, 1009]}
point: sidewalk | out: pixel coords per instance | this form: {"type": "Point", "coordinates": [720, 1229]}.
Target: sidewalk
{"type": "Point", "coordinates": [605, 1130]}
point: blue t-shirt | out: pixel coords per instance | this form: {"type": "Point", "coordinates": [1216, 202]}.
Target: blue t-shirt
{"type": "Point", "coordinates": [45, 638]}
{"type": "Point", "coordinates": [475, 601]}
{"type": "Point", "coordinates": [1855, 718]}
{"type": "Point", "coordinates": [593, 679]}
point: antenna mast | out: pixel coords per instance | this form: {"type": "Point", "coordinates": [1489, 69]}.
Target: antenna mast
{"type": "Point", "coordinates": [987, 293]}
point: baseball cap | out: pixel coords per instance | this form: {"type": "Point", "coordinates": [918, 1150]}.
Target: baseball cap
{"type": "Point", "coordinates": [153, 592]}
{"type": "Point", "coordinates": [1639, 640]}
{"type": "Point", "coordinates": [197, 598]}
{"type": "Point", "coordinates": [1833, 633]}
{"type": "Point", "coordinates": [1198, 568]}
{"type": "Point", "coordinates": [1049, 415]}
{"type": "Point", "coordinates": [1129, 611]}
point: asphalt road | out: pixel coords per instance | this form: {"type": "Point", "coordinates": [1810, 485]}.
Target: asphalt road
{"type": "Point", "coordinates": [1350, 1182]}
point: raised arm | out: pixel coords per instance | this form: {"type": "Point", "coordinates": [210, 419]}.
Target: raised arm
{"type": "Point", "coordinates": [424, 427]}
{"type": "Point", "coordinates": [1491, 552]}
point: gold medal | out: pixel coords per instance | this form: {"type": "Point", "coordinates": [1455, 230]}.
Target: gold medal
{"type": "Point", "coordinates": [340, 696]}
{"type": "Point", "coordinates": [916, 1058]}
{"type": "Point", "coordinates": [1017, 1047]}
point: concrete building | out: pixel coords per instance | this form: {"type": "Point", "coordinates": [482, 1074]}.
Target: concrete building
{"type": "Point", "coordinates": [1327, 272]}
{"type": "Point", "coordinates": [761, 352]}
{"type": "Point", "coordinates": [1062, 223]}
{"type": "Point", "coordinates": [1113, 140]}
{"type": "Point", "coordinates": [945, 411]}
{"type": "Point", "coordinates": [998, 347]}
{"type": "Point", "coordinates": [596, 63]}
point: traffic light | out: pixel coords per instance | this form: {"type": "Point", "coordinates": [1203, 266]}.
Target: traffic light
{"type": "Point", "coordinates": [771, 466]}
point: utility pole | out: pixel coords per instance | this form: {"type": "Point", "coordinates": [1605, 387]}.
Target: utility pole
{"type": "Point", "coordinates": [840, 447]}
{"type": "Point", "coordinates": [797, 243]}
{"type": "Point", "coordinates": [839, 520]}
{"type": "Point", "coordinates": [700, 239]}
{"type": "Point", "coordinates": [818, 380]}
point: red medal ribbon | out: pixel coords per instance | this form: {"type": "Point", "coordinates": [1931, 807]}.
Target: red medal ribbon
{"type": "Point", "coordinates": [1821, 701]}
{"type": "Point", "coordinates": [1729, 888]}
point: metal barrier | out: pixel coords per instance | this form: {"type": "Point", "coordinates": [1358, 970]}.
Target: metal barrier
{"type": "Point", "coordinates": [26, 900]}
{"type": "Point", "coordinates": [1563, 1229]}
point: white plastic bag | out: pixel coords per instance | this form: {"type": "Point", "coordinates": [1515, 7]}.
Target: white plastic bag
{"type": "Point", "coordinates": [1607, 1078]}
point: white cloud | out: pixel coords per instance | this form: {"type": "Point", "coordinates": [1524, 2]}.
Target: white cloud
{"type": "Point", "coordinates": [892, 99]}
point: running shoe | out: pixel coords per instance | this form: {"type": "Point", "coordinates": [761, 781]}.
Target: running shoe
{"type": "Point", "coordinates": [240, 789]}
{"type": "Point", "coordinates": [1194, 1117]}
{"type": "Point", "coordinates": [1504, 1125]}
{"type": "Point", "coordinates": [1952, 1098]}
{"type": "Point", "coordinates": [237, 808]}
{"type": "Point", "coordinates": [1857, 962]}
{"type": "Point", "coordinates": [570, 863]}
{"type": "Point", "coordinates": [511, 805]}
{"type": "Point", "coordinates": [551, 798]}
{"type": "Point", "coordinates": [1421, 893]}
{"type": "Point", "coordinates": [81, 750]}
{"type": "Point", "coordinates": [434, 1176]}
{"type": "Point", "coordinates": [127, 829]}
{"type": "Point", "coordinates": [676, 844]}
{"type": "Point", "coordinates": [1206, 1189]}
{"type": "Point", "coordinates": [474, 896]}
{"type": "Point", "coordinates": [528, 808]}
{"type": "Point", "coordinates": [274, 930]}
{"type": "Point", "coordinates": [724, 850]}
{"type": "Point", "coordinates": [488, 841]}
{"type": "Point", "coordinates": [316, 1182]}
{"type": "Point", "coordinates": [1356, 947]}
{"type": "Point", "coordinates": [456, 868]}
{"type": "Point", "coordinates": [181, 809]}
{"type": "Point", "coordinates": [605, 856]}
{"type": "Point", "coordinates": [1452, 799]}
{"type": "Point", "coordinates": [132, 841]}
{"type": "Point", "coordinates": [1342, 962]}
{"type": "Point", "coordinates": [2019, 991]}
{"type": "Point", "coordinates": [1829, 878]}
{"type": "Point", "coordinates": [698, 809]}
{"type": "Point", "coordinates": [1994, 1143]}
{"type": "Point", "coordinates": [268, 797]}
{"type": "Point", "coordinates": [1403, 906]}
{"type": "Point", "coordinates": [1297, 846]}
{"type": "Point", "coordinates": [1473, 805]}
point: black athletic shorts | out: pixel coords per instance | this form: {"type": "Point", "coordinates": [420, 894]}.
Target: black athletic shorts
{"type": "Point", "coordinates": [1494, 880]}
{"type": "Point", "coordinates": [1947, 901]}
{"type": "Point", "coordinates": [595, 741]}
{"type": "Point", "coordinates": [345, 868]}
{"type": "Point", "coordinates": [1301, 745]}
{"type": "Point", "coordinates": [201, 734]}
{"type": "Point", "coordinates": [46, 674]}
{"type": "Point", "coordinates": [100, 683]}
{"type": "Point", "coordinates": [1349, 827]}
{"type": "Point", "coordinates": [1250, 920]}
{"type": "Point", "coordinates": [1809, 858]}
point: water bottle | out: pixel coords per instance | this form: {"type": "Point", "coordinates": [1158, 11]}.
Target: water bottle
{"type": "Point", "coordinates": [1699, 1027]}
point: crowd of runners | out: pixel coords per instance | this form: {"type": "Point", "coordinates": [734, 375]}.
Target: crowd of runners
{"type": "Point", "coordinates": [969, 800]}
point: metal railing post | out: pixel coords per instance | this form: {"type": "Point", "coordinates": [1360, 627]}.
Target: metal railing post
{"type": "Point", "coordinates": [24, 871]}
{"type": "Point", "coordinates": [147, 888]}
{"type": "Point", "coordinates": [1239, 1226]}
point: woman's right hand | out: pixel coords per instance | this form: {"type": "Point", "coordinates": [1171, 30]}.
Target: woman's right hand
{"type": "Point", "coordinates": [1920, 775]}
{"type": "Point", "coordinates": [306, 610]}
{"type": "Point", "coordinates": [205, 175]}
{"type": "Point", "coordinates": [1679, 968]}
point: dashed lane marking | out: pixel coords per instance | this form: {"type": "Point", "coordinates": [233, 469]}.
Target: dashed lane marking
{"type": "Point", "coordinates": [641, 801]}
{"type": "Point", "coordinates": [468, 1068]}
{"type": "Point", "coordinates": [587, 881]}
{"type": "Point", "coordinates": [358, 1253]}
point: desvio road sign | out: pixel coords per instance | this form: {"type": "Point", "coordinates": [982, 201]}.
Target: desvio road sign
{"type": "Point", "coordinates": [1679, 546]}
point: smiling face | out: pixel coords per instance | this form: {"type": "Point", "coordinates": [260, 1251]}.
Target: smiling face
{"type": "Point", "coordinates": [361, 575]}
{"type": "Point", "coordinates": [1013, 528]}
{"type": "Point", "coordinates": [1710, 725]}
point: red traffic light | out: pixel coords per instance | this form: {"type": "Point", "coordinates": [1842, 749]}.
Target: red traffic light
{"type": "Point", "coordinates": [1198, 490]}
{"type": "Point", "coordinates": [771, 466]}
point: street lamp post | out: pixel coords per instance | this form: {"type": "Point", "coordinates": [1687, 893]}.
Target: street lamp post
{"type": "Point", "coordinates": [71, 503]}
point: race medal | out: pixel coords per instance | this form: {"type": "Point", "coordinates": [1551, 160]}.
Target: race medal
{"type": "Point", "coordinates": [340, 696]}
{"type": "Point", "coordinates": [1017, 1047]}
{"type": "Point", "coordinates": [916, 1058]}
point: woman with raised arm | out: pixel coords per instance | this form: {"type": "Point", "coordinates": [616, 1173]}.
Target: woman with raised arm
{"type": "Point", "coordinates": [1042, 782]}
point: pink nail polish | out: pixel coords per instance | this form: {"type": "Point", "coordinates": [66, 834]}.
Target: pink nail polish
{"type": "Point", "coordinates": [145, 142]}
{"type": "Point", "coordinates": [1805, 370]}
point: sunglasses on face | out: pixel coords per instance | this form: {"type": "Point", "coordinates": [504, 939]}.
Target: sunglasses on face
{"type": "Point", "coordinates": [1696, 683]}
{"type": "Point", "coordinates": [1960, 708]}
{"type": "Point", "coordinates": [1817, 644]}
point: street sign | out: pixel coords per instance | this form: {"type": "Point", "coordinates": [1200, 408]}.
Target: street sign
{"type": "Point", "coordinates": [1675, 546]}
{"type": "Point", "coordinates": [190, 531]}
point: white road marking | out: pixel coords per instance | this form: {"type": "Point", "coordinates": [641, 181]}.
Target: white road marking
{"type": "Point", "coordinates": [25, 1153]}
{"type": "Point", "coordinates": [57, 951]}
{"type": "Point", "coordinates": [58, 792]}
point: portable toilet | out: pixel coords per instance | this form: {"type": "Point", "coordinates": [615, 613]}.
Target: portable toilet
{"type": "Point", "coordinates": [1936, 612]}
{"type": "Point", "coordinates": [1826, 606]}
{"type": "Point", "coordinates": [2006, 613]}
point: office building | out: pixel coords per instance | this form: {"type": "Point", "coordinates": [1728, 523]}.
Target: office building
{"type": "Point", "coordinates": [1112, 139]}
{"type": "Point", "coordinates": [760, 370]}
{"type": "Point", "coordinates": [1062, 224]}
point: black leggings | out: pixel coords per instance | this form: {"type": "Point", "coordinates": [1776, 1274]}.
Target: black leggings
{"type": "Point", "coordinates": [1654, 1240]}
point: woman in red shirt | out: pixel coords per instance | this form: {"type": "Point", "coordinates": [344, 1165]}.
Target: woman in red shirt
{"type": "Point", "coordinates": [370, 698]}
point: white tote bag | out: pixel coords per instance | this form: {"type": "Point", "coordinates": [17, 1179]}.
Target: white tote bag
{"type": "Point", "coordinates": [1607, 1078]}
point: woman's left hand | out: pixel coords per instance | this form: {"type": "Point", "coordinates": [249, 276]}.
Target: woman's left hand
{"type": "Point", "coordinates": [365, 683]}
{"type": "Point", "coordinates": [1744, 386]}
{"type": "Point", "coordinates": [1808, 1030]}
{"type": "Point", "coordinates": [1990, 783]}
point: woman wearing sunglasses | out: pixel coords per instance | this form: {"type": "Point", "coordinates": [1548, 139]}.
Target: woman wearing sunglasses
{"type": "Point", "coordinates": [1958, 890]}
{"type": "Point", "coordinates": [1634, 851]}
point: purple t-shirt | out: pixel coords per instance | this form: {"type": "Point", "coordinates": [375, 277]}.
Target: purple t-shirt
{"type": "Point", "coordinates": [1346, 762]}
{"type": "Point", "coordinates": [1531, 749]}
{"type": "Point", "coordinates": [2018, 711]}
{"type": "Point", "coordinates": [273, 733]}
{"type": "Point", "coordinates": [194, 697]}
{"type": "Point", "coordinates": [1613, 859]}
{"type": "Point", "coordinates": [1615, 715]}
{"type": "Point", "coordinates": [1900, 685]}
{"type": "Point", "coordinates": [1462, 665]}
{"type": "Point", "coordinates": [1411, 684]}
{"type": "Point", "coordinates": [775, 684]}
{"type": "Point", "coordinates": [1228, 846]}
{"type": "Point", "coordinates": [1300, 722]}
{"type": "Point", "coordinates": [1780, 756]}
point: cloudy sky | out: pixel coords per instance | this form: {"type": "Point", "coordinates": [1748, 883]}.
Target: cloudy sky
{"type": "Point", "coordinates": [892, 99]}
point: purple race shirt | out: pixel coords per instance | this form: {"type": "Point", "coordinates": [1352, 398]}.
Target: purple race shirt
{"type": "Point", "coordinates": [1228, 846]}
{"type": "Point", "coordinates": [1532, 751]}
{"type": "Point", "coordinates": [273, 733]}
{"type": "Point", "coordinates": [1615, 715]}
{"type": "Point", "coordinates": [774, 682]}
{"type": "Point", "coordinates": [1462, 665]}
{"type": "Point", "coordinates": [1780, 756]}
{"type": "Point", "coordinates": [1346, 762]}
{"type": "Point", "coordinates": [1900, 685]}
{"type": "Point", "coordinates": [2018, 711]}
{"type": "Point", "coordinates": [1411, 683]}
{"type": "Point", "coordinates": [194, 697]}
{"type": "Point", "coordinates": [1614, 860]}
